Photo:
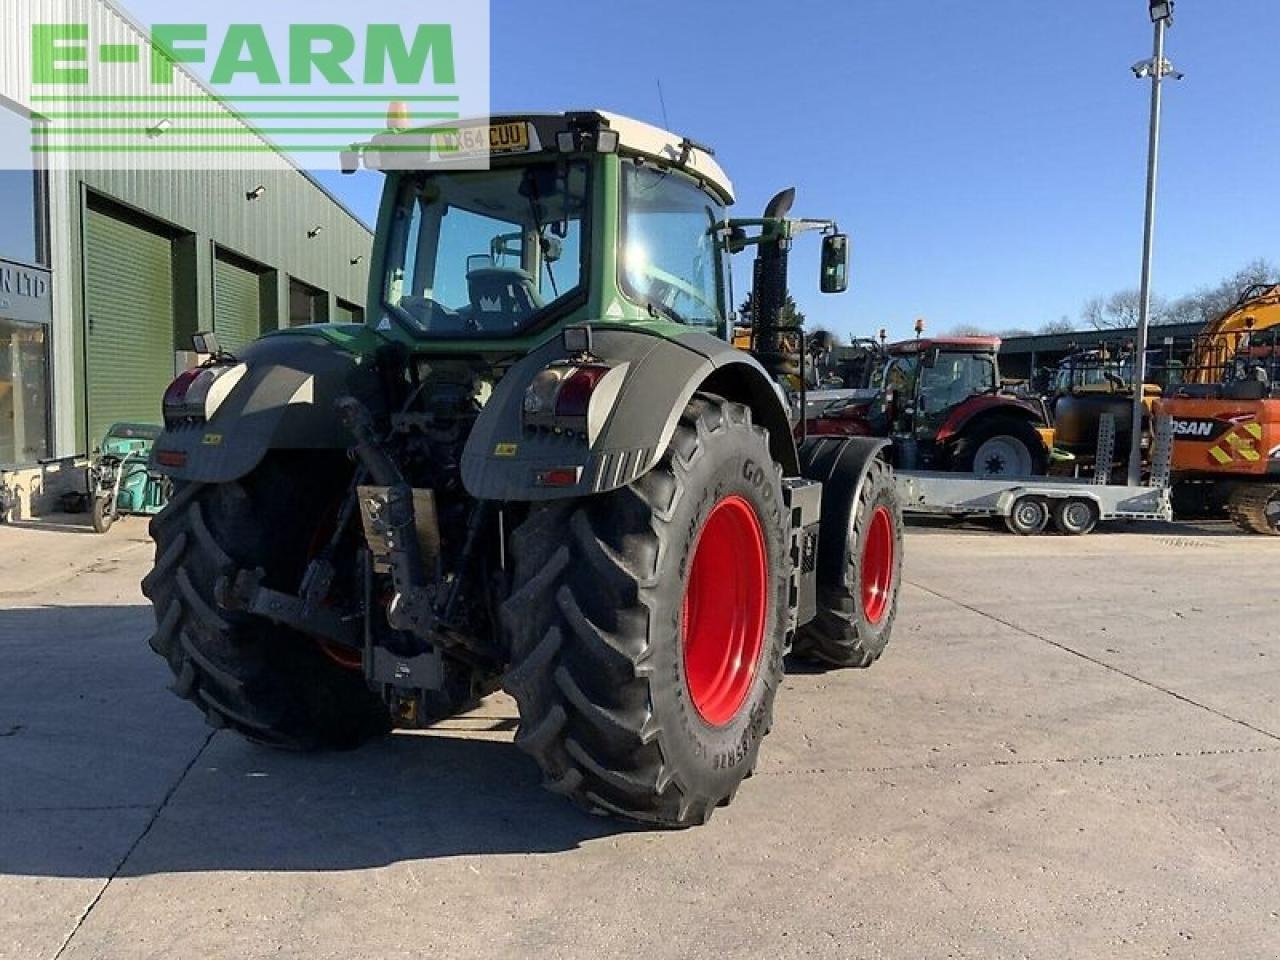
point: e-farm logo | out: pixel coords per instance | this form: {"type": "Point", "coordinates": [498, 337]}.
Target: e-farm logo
{"type": "Point", "coordinates": [171, 93]}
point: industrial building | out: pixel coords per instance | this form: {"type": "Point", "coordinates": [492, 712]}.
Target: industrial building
{"type": "Point", "coordinates": [1022, 357]}
{"type": "Point", "coordinates": [106, 273]}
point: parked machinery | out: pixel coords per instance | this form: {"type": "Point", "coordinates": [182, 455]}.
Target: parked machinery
{"type": "Point", "coordinates": [1226, 417]}
{"type": "Point", "coordinates": [943, 404]}
{"type": "Point", "coordinates": [121, 481]}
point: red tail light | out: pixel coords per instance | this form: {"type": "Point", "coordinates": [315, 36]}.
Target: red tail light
{"type": "Point", "coordinates": [175, 397]}
{"type": "Point", "coordinates": [575, 393]}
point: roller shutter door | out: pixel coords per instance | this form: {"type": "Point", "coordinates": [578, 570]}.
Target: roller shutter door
{"type": "Point", "coordinates": [237, 304]}
{"type": "Point", "coordinates": [129, 300]}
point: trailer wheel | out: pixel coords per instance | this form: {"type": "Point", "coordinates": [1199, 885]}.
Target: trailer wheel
{"type": "Point", "coordinates": [1029, 517]}
{"type": "Point", "coordinates": [1255, 508]}
{"type": "Point", "coordinates": [273, 685]}
{"type": "Point", "coordinates": [858, 600]}
{"type": "Point", "coordinates": [1076, 518]}
{"type": "Point", "coordinates": [104, 513]}
{"type": "Point", "coordinates": [647, 626]}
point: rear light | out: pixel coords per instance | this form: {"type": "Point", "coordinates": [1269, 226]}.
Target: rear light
{"type": "Point", "coordinates": [559, 398]}
{"type": "Point", "coordinates": [171, 458]}
{"type": "Point", "coordinates": [575, 392]}
{"type": "Point", "coordinates": [558, 477]}
{"type": "Point", "coordinates": [197, 394]}
{"type": "Point", "coordinates": [175, 398]}
{"type": "Point", "coordinates": [540, 396]}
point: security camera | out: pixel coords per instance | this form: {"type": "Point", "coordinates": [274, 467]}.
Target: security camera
{"type": "Point", "coordinates": [1141, 69]}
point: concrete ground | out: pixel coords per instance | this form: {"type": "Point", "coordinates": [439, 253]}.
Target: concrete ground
{"type": "Point", "coordinates": [1071, 750]}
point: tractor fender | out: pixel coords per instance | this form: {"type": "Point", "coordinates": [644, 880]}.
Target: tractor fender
{"type": "Point", "coordinates": [841, 465]}
{"type": "Point", "coordinates": [965, 413]}
{"type": "Point", "coordinates": [284, 401]}
{"type": "Point", "coordinates": [633, 413]}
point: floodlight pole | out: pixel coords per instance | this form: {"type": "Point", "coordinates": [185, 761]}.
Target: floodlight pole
{"type": "Point", "coordinates": [1158, 70]}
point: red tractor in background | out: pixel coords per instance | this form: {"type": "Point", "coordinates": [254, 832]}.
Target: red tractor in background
{"type": "Point", "coordinates": [942, 402]}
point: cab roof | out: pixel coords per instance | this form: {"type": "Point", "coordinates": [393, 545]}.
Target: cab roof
{"type": "Point", "coordinates": [658, 144]}
{"type": "Point", "coordinates": [972, 344]}
{"type": "Point", "coordinates": [635, 138]}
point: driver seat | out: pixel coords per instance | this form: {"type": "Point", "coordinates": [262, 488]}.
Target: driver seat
{"type": "Point", "coordinates": [503, 294]}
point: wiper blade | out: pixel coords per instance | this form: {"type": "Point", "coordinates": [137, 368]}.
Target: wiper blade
{"type": "Point", "coordinates": [657, 310]}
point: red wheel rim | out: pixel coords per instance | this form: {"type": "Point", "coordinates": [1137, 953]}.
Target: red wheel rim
{"type": "Point", "coordinates": [724, 612]}
{"type": "Point", "coordinates": [877, 566]}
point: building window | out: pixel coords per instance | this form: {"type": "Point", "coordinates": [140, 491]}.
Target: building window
{"type": "Point", "coordinates": [24, 392]}
{"type": "Point", "coordinates": [307, 304]}
{"type": "Point", "coordinates": [348, 312]}
{"type": "Point", "coordinates": [22, 200]}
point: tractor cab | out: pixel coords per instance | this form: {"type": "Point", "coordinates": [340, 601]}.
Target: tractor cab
{"type": "Point", "coordinates": [924, 381]}
{"type": "Point", "coordinates": [573, 218]}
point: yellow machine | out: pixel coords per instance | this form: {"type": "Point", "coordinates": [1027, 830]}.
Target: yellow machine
{"type": "Point", "coordinates": [1226, 417]}
{"type": "Point", "coordinates": [1258, 310]}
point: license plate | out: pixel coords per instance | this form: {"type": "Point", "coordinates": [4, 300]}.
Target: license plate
{"type": "Point", "coordinates": [496, 138]}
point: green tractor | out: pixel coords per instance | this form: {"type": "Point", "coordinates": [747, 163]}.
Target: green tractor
{"type": "Point", "coordinates": [540, 466]}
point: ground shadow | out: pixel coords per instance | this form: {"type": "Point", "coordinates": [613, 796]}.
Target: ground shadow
{"type": "Point", "coordinates": [95, 753]}
{"type": "Point", "coordinates": [56, 523]}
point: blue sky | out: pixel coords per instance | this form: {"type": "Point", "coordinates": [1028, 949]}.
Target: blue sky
{"type": "Point", "coordinates": [988, 156]}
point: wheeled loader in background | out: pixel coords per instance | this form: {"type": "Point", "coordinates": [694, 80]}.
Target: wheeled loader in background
{"type": "Point", "coordinates": [541, 465]}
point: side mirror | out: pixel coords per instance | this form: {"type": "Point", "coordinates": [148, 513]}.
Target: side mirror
{"type": "Point", "coordinates": [835, 263]}
{"type": "Point", "coordinates": [552, 249]}
{"type": "Point", "coordinates": [931, 358]}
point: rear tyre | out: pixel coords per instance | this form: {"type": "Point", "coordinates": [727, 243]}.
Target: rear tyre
{"type": "Point", "coordinates": [1000, 446]}
{"type": "Point", "coordinates": [647, 626]}
{"type": "Point", "coordinates": [104, 514]}
{"type": "Point", "coordinates": [1255, 508]}
{"type": "Point", "coordinates": [858, 596]}
{"type": "Point", "coordinates": [273, 685]}
{"type": "Point", "coordinates": [1029, 517]}
{"type": "Point", "coordinates": [1076, 518]}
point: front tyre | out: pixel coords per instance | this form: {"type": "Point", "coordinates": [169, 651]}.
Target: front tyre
{"type": "Point", "coordinates": [858, 586]}
{"type": "Point", "coordinates": [999, 447]}
{"type": "Point", "coordinates": [104, 513]}
{"type": "Point", "coordinates": [647, 626]}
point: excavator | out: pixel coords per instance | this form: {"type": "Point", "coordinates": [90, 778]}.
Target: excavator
{"type": "Point", "coordinates": [1226, 415]}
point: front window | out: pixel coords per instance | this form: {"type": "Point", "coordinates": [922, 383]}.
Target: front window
{"type": "Point", "coordinates": [671, 258]}
{"type": "Point", "coordinates": [898, 375]}
{"type": "Point", "coordinates": [955, 377]}
{"type": "Point", "coordinates": [487, 253]}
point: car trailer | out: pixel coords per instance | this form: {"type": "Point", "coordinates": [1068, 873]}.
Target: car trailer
{"type": "Point", "coordinates": [1073, 505]}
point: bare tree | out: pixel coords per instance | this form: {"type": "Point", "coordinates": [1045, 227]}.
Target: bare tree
{"type": "Point", "coordinates": [968, 330]}
{"type": "Point", "coordinates": [1121, 310]}
{"type": "Point", "coordinates": [1209, 303]}
{"type": "Point", "coordinates": [1062, 325]}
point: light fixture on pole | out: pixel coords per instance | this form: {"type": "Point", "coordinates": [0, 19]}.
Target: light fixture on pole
{"type": "Point", "coordinates": [1156, 70]}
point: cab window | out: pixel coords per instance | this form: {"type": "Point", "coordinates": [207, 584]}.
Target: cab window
{"type": "Point", "coordinates": [671, 260]}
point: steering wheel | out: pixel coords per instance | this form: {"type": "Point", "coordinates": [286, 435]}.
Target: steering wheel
{"type": "Point", "coordinates": [679, 286]}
